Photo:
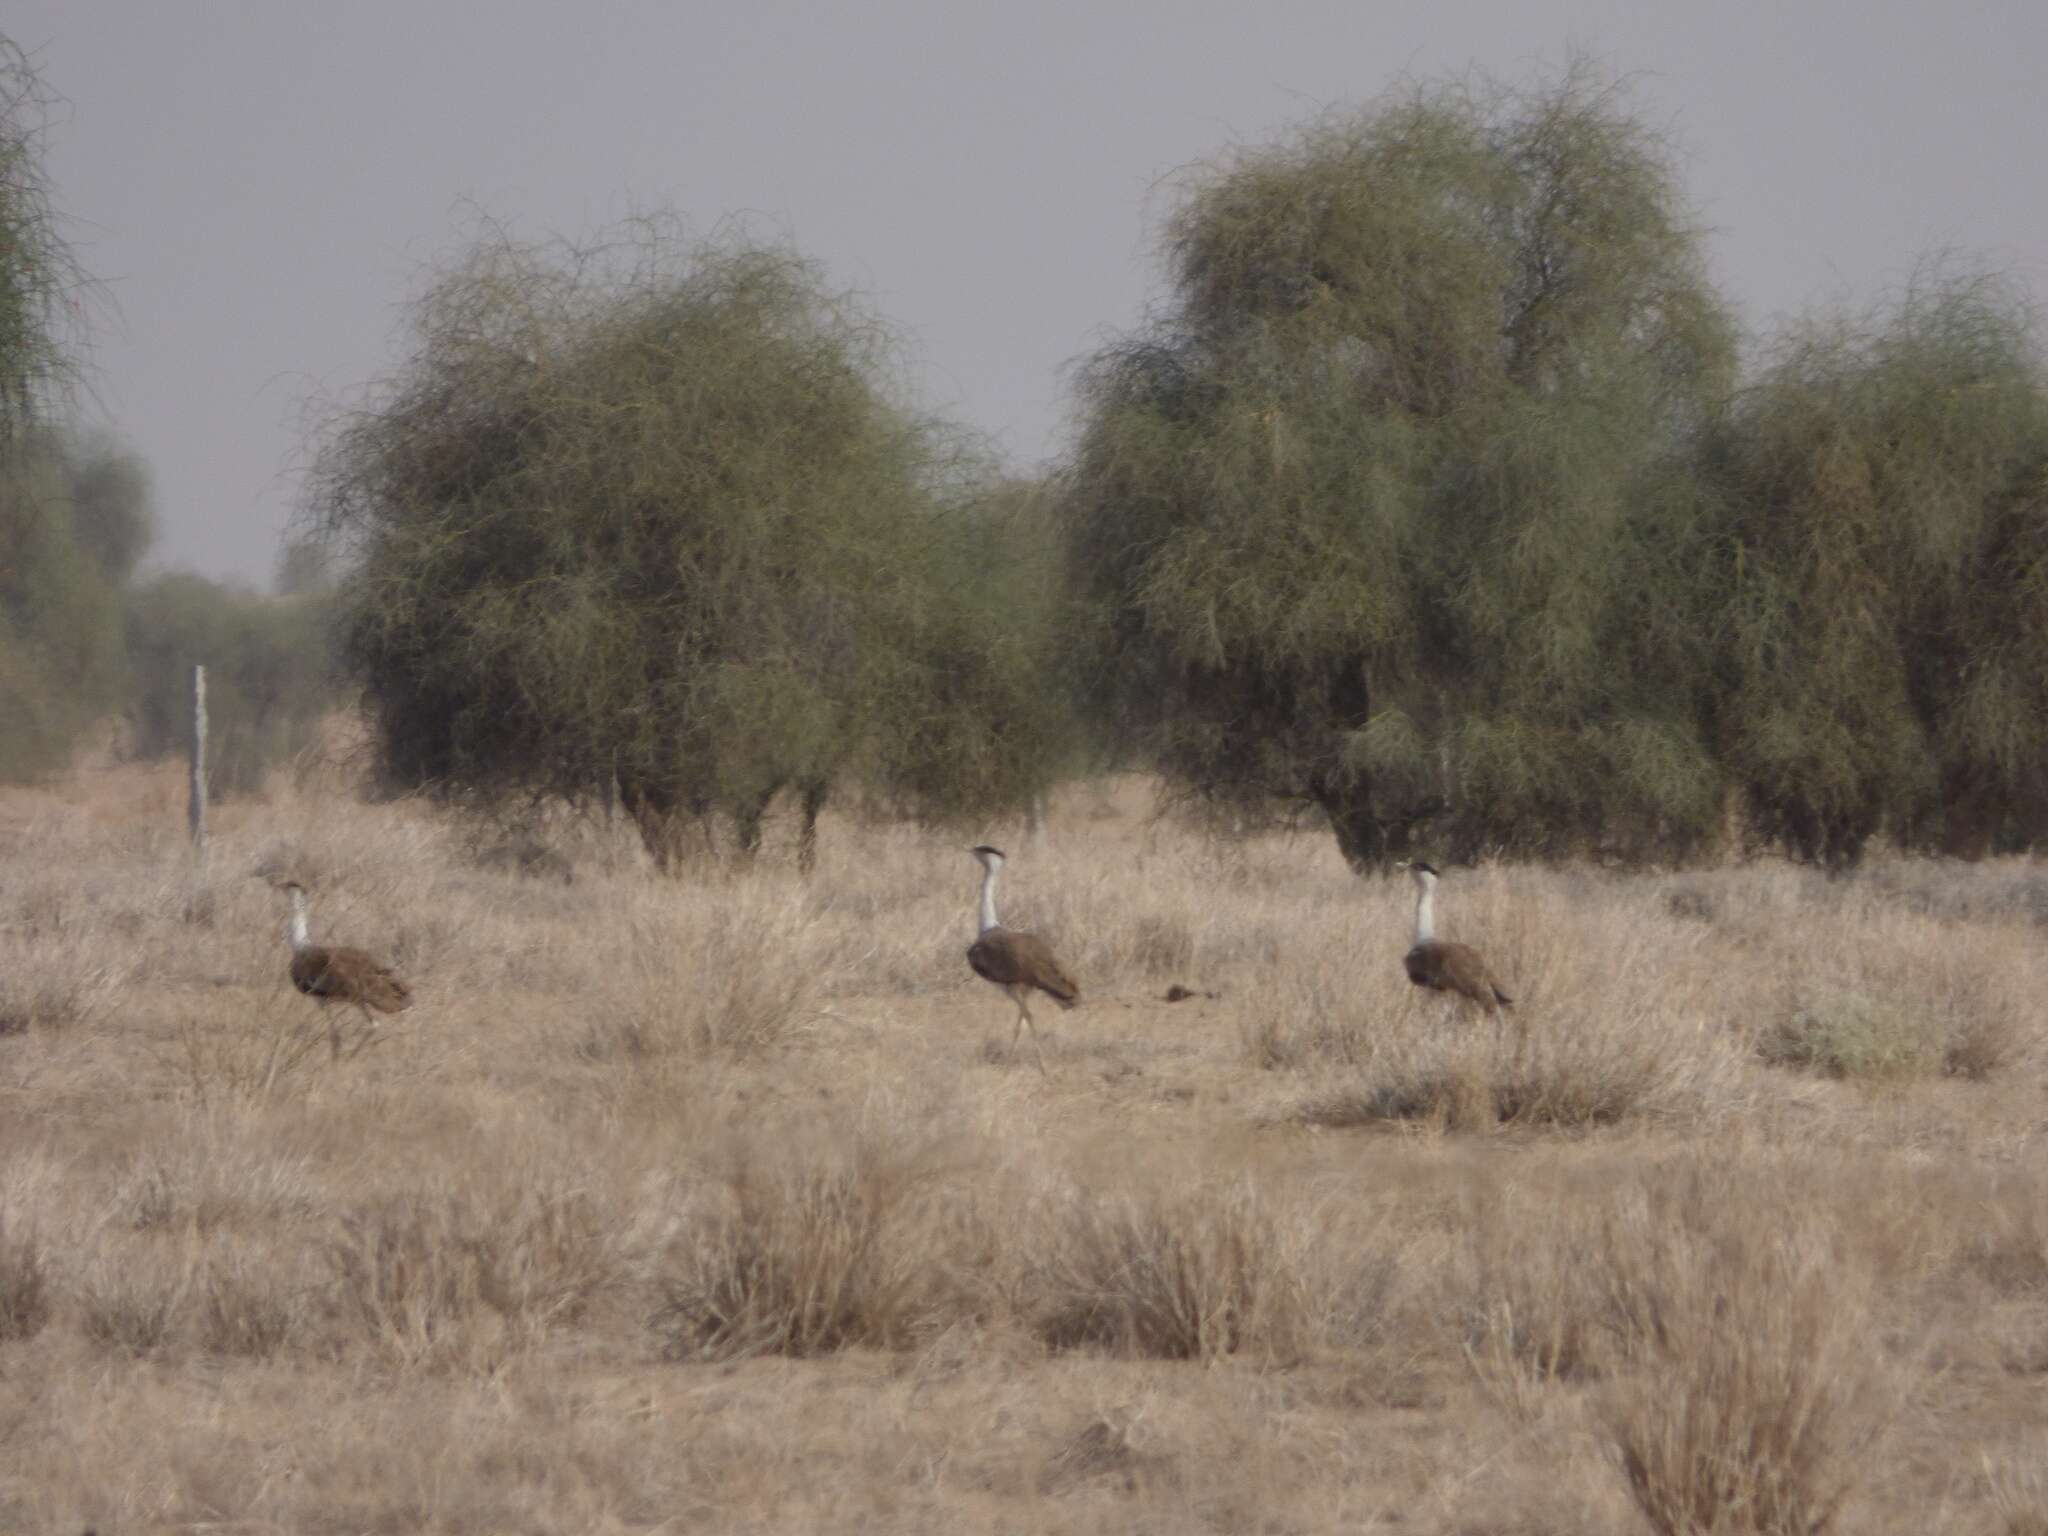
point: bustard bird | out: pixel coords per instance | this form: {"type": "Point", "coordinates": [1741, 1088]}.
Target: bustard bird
{"type": "Point", "coordinates": [332, 974]}
{"type": "Point", "coordinates": [1441, 965]}
{"type": "Point", "coordinates": [1016, 962]}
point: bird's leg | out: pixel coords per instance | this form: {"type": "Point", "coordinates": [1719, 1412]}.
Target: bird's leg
{"type": "Point", "coordinates": [1024, 1018]}
{"type": "Point", "coordinates": [333, 1035]}
{"type": "Point", "coordinates": [369, 1028]}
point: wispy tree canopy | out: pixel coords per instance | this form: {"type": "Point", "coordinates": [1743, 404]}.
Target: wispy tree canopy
{"type": "Point", "coordinates": [657, 511]}
{"type": "Point", "coordinates": [74, 518]}
{"type": "Point", "coordinates": [45, 293]}
{"type": "Point", "coordinates": [1884, 495]}
{"type": "Point", "coordinates": [1384, 512]}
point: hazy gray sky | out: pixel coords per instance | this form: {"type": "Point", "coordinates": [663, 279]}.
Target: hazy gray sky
{"type": "Point", "coordinates": [263, 183]}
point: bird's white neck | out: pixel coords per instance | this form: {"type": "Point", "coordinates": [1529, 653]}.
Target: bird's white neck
{"type": "Point", "coordinates": [1425, 913]}
{"type": "Point", "coordinates": [296, 931]}
{"type": "Point", "coordinates": [988, 897]}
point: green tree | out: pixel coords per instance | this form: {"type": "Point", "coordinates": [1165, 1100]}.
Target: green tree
{"type": "Point", "coordinates": [112, 515]}
{"type": "Point", "coordinates": [656, 513]}
{"type": "Point", "coordinates": [1386, 512]}
{"type": "Point", "coordinates": [45, 294]}
{"type": "Point", "coordinates": [305, 567]}
{"type": "Point", "coordinates": [988, 658]}
{"type": "Point", "coordinates": [1884, 485]}
{"type": "Point", "coordinates": [269, 673]}
{"type": "Point", "coordinates": [61, 663]}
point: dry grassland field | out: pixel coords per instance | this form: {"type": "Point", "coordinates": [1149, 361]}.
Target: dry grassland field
{"type": "Point", "coordinates": [721, 1203]}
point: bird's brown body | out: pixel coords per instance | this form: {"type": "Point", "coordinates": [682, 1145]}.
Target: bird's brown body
{"type": "Point", "coordinates": [1023, 961]}
{"type": "Point", "coordinates": [1443, 966]}
{"type": "Point", "coordinates": [349, 976]}
{"type": "Point", "coordinates": [1019, 963]}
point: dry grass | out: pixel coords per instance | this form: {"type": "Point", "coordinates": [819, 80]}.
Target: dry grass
{"type": "Point", "coordinates": [708, 977]}
{"type": "Point", "coordinates": [58, 979]}
{"type": "Point", "coordinates": [462, 1279]}
{"type": "Point", "coordinates": [24, 1286]}
{"type": "Point", "coordinates": [1191, 1275]}
{"type": "Point", "coordinates": [805, 1249]}
{"type": "Point", "coordinates": [716, 1202]}
{"type": "Point", "coordinates": [1758, 1382]}
{"type": "Point", "coordinates": [2020, 1496]}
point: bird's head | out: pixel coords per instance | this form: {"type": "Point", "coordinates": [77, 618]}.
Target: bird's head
{"type": "Point", "coordinates": [1421, 871]}
{"type": "Point", "coordinates": [990, 859]}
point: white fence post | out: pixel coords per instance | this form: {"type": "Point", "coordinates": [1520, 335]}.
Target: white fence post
{"type": "Point", "coordinates": [195, 807]}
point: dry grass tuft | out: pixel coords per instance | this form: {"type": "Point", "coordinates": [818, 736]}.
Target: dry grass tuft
{"type": "Point", "coordinates": [2006, 1243]}
{"type": "Point", "coordinates": [807, 1247]}
{"type": "Point", "coordinates": [1571, 1072]}
{"type": "Point", "coordinates": [1758, 1387]}
{"type": "Point", "coordinates": [465, 1280]}
{"type": "Point", "coordinates": [1852, 1035]}
{"type": "Point", "coordinates": [255, 1059]}
{"type": "Point", "coordinates": [250, 1305]}
{"type": "Point", "coordinates": [134, 1300]}
{"type": "Point", "coordinates": [56, 981]}
{"type": "Point", "coordinates": [1954, 891]}
{"type": "Point", "coordinates": [2019, 1496]}
{"type": "Point", "coordinates": [1189, 1275]}
{"type": "Point", "coordinates": [24, 1286]}
{"type": "Point", "coordinates": [1899, 1023]}
{"type": "Point", "coordinates": [213, 1174]}
{"type": "Point", "coordinates": [1539, 1309]}
{"type": "Point", "coordinates": [1311, 1022]}
{"type": "Point", "coordinates": [1162, 944]}
{"type": "Point", "coordinates": [715, 972]}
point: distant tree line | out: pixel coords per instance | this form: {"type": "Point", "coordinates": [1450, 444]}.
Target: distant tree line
{"type": "Point", "coordinates": [84, 639]}
{"type": "Point", "coordinates": [81, 638]}
{"type": "Point", "coordinates": [73, 522]}
{"type": "Point", "coordinates": [1436, 501]}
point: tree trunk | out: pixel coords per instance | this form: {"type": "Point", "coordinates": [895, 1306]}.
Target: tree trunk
{"type": "Point", "coordinates": [746, 823]}
{"type": "Point", "coordinates": [1360, 837]}
{"type": "Point", "coordinates": [656, 826]}
{"type": "Point", "coordinates": [1835, 841]}
{"type": "Point", "coordinates": [1969, 819]}
{"type": "Point", "coordinates": [662, 822]}
{"type": "Point", "coordinates": [1346, 798]}
{"type": "Point", "coordinates": [807, 839]}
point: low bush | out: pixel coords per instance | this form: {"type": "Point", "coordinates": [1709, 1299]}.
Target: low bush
{"type": "Point", "coordinates": [805, 1249]}
{"type": "Point", "coordinates": [1194, 1275]}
